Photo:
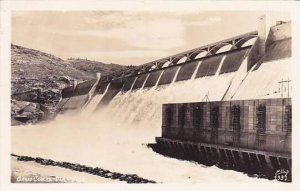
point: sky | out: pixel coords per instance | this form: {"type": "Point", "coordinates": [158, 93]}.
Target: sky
{"type": "Point", "coordinates": [128, 37]}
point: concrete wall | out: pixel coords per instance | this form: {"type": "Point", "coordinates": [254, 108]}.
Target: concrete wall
{"type": "Point", "coordinates": [128, 83]}
{"type": "Point", "coordinates": [234, 60]}
{"type": "Point", "coordinates": [75, 97]}
{"type": "Point", "coordinates": [219, 128]}
{"type": "Point", "coordinates": [153, 78]}
{"type": "Point", "coordinates": [209, 66]}
{"type": "Point", "coordinates": [279, 32]}
{"type": "Point", "coordinates": [187, 70]}
{"type": "Point", "coordinates": [75, 102]}
{"type": "Point", "coordinates": [168, 75]}
{"type": "Point", "coordinates": [139, 81]}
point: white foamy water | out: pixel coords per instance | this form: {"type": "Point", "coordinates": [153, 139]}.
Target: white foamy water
{"type": "Point", "coordinates": [93, 104]}
{"type": "Point", "coordinates": [94, 141]}
{"type": "Point", "coordinates": [114, 138]}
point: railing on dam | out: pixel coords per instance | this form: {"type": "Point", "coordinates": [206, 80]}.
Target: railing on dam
{"type": "Point", "coordinates": [210, 49]}
{"type": "Point", "coordinates": [236, 42]}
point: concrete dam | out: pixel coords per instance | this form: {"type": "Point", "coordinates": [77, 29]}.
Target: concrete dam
{"type": "Point", "coordinates": [257, 71]}
{"type": "Point", "coordinates": [250, 82]}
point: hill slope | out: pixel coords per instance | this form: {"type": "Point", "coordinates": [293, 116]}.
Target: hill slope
{"type": "Point", "coordinates": [32, 68]}
{"type": "Point", "coordinates": [39, 77]}
{"type": "Point", "coordinates": [93, 67]}
{"type": "Point", "coordinates": [30, 63]}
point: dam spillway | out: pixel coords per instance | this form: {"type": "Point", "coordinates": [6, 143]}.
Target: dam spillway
{"type": "Point", "coordinates": [234, 67]}
{"type": "Point", "coordinates": [133, 99]}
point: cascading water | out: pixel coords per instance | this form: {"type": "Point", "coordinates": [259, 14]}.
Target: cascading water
{"type": "Point", "coordinates": [143, 107]}
{"type": "Point", "coordinates": [94, 102]}
{"type": "Point", "coordinates": [114, 137]}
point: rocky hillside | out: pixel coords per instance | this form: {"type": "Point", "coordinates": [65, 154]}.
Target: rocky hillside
{"type": "Point", "coordinates": [39, 77]}
{"type": "Point", "coordinates": [31, 68]}
{"type": "Point", "coordinates": [29, 63]}
{"type": "Point", "coordinates": [91, 67]}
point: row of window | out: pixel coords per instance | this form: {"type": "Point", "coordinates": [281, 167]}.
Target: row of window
{"type": "Point", "coordinates": [235, 117]}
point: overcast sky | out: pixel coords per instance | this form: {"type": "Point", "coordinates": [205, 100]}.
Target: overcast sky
{"type": "Point", "coordinates": [128, 38]}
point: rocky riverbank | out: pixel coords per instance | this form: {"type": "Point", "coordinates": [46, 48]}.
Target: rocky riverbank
{"type": "Point", "coordinates": [17, 177]}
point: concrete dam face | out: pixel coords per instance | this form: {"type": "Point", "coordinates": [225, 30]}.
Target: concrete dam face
{"type": "Point", "coordinates": [126, 109]}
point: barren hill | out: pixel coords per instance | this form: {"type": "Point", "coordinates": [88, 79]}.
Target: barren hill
{"type": "Point", "coordinates": [39, 77]}
{"type": "Point", "coordinates": [32, 68]}
{"type": "Point", "coordinates": [30, 63]}
{"type": "Point", "coordinates": [92, 67]}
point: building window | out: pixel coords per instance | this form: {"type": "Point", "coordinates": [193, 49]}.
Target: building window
{"type": "Point", "coordinates": [260, 125]}
{"type": "Point", "coordinates": [197, 116]}
{"type": "Point", "coordinates": [235, 113]}
{"type": "Point", "coordinates": [214, 123]}
{"type": "Point", "coordinates": [168, 116]}
{"type": "Point", "coordinates": [214, 117]}
{"type": "Point", "coordinates": [288, 118]}
{"type": "Point", "coordinates": [181, 116]}
{"type": "Point", "coordinates": [261, 118]}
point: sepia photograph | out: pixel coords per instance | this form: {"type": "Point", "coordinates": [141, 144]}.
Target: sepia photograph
{"type": "Point", "coordinates": [150, 97]}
